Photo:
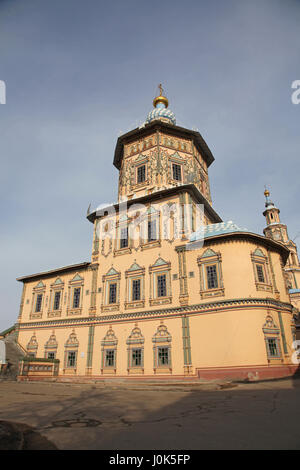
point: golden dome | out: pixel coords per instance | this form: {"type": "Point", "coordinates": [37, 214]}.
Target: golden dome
{"type": "Point", "coordinates": [160, 99]}
{"type": "Point", "coordinates": [267, 193]}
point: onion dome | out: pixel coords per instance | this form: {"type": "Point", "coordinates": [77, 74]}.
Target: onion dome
{"type": "Point", "coordinates": [160, 111]}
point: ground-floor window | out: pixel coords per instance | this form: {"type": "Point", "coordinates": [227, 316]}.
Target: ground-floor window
{"type": "Point", "coordinates": [51, 355]}
{"type": "Point", "coordinates": [272, 346]}
{"type": "Point", "coordinates": [162, 349]}
{"type": "Point", "coordinates": [110, 358]}
{"type": "Point", "coordinates": [163, 356]}
{"type": "Point", "coordinates": [272, 338]}
{"type": "Point", "coordinates": [109, 352]}
{"type": "Point", "coordinates": [135, 351]}
{"type": "Point", "coordinates": [71, 358]}
{"type": "Point", "coordinates": [136, 357]}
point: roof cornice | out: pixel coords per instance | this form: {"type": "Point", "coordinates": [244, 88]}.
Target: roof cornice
{"type": "Point", "coordinates": [190, 188]}
{"type": "Point", "coordinates": [64, 269]}
{"type": "Point", "coordinates": [268, 242]}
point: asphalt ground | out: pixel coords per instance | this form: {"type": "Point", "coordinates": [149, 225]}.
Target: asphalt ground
{"type": "Point", "coordinates": [262, 415]}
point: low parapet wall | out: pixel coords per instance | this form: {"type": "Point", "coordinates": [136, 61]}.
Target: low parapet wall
{"type": "Point", "coordinates": [38, 367]}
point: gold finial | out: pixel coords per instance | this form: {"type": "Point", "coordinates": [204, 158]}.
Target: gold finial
{"type": "Point", "coordinates": [267, 192]}
{"type": "Point", "coordinates": [160, 98]}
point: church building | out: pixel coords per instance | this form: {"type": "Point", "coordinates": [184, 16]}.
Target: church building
{"type": "Point", "coordinates": [171, 291]}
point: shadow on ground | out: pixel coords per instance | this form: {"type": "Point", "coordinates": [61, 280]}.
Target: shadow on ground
{"type": "Point", "coordinates": [247, 416]}
{"type": "Point", "coordinates": [19, 436]}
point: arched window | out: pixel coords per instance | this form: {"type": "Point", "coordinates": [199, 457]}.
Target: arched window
{"type": "Point", "coordinates": [71, 352]}
{"type": "Point", "coordinates": [109, 353]}
{"type": "Point", "coordinates": [51, 347]}
{"type": "Point", "coordinates": [272, 338]}
{"type": "Point", "coordinates": [135, 351]}
{"type": "Point", "coordinates": [162, 340]}
{"type": "Point", "coordinates": [32, 346]}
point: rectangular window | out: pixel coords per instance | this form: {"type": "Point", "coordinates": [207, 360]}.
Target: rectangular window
{"type": "Point", "coordinates": [51, 355]}
{"type": "Point", "coordinates": [212, 278]}
{"type": "Point", "coordinates": [112, 293]}
{"type": "Point", "coordinates": [141, 174]}
{"type": "Point", "coordinates": [163, 356]}
{"type": "Point", "coordinates": [272, 347]}
{"type": "Point", "coordinates": [110, 358]}
{"type": "Point", "coordinates": [124, 238]}
{"type": "Point", "coordinates": [176, 172]}
{"type": "Point", "coordinates": [152, 230]}
{"type": "Point", "coordinates": [136, 289]}
{"type": "Point", "coordinates": [76, 297]}
{"type": "Point", "coordinates": [136, 358]}
{"type": "Point", "coordinates": [56, 302]}
{"type": "Point", "coordinates": [71, 359]}
{"type": "Point", "coordinates": [38, 305]}
{"type": "Point", "coordinates": [161, 286]}
{"type": "Point", "coordinates": [260, 273]}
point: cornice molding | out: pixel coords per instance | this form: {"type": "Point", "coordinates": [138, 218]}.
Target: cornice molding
{"type": "Point", "coordinates": [173, 311]}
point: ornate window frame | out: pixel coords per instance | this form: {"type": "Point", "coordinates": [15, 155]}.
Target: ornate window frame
{"type": "Point", "coordinates": [111, 277]}
{"type": "Point", "coordinates": [135, 342]}
{"type": "Point", "coordinates": [51, 345]}
{"type": "Point", "coordinates": [71, 346]}
{"type": "Point", "coordinates": [160, 267]}
{"type": "Point", "coordinates": [57, 286]}
{"type": "Point", "coordinates": [142, 160]}
{"type": "Point", "coordinates": [162, 339]}
{"type": "Point", "coordinates": [258, 258]}
{"type": "Point", "coordinates": [77, 282]}
{"type": "Point", "coordinates": [177, 160]}
{"type": "Point", "coordinates": [210, 258]}
{"type": "Point", "coordinates": [122, 223]}
{"type": "Point", "coordinates": [32, 346]}
{"type": "Point", "coordinates": [135, 272]}
{"type": "Point", "coordinates": [39, 289]}
{"type": "Point", "coordinates": [109, 343]}
{"type": "Point", "coordinates": [272, 332]}
{"type": "Point", "coordinates": [151, 215]}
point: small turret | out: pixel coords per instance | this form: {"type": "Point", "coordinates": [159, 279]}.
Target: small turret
{"type": "Point", "coordinates": [271, 212]}
{"type": "Point", "coordinates": [278, 232]}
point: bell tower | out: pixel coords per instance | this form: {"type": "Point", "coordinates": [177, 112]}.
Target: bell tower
{"type": "Point", "coordinates": [276, 230]}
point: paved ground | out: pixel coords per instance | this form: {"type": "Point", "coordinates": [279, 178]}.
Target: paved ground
{"type": "Point", "coordinates": [73, 416]}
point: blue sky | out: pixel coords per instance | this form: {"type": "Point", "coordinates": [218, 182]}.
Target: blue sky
{"type": "Point", "coordinates": [79, 73]}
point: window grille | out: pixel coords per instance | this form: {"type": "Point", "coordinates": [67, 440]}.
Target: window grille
{"type": "Point", "coordinates": [161, 286]}
{"type": "Point", "coordinates": [76, 297]}
{"type": "Point", "coordinates": [176, 172]}
{"type": "Point", "coordinates": [212, 278]}
{"type": "Point", "coordinates": [112, 293]}
{"type": "Point", "coordinates": [141, 174]}
{"type": "Point", "coordinates": [136, 289]}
